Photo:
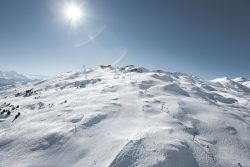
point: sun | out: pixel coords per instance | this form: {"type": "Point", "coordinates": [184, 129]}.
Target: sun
{"type": "Point", "coordinates": [73, 12]}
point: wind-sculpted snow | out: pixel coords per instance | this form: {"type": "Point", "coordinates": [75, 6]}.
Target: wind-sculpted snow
{"type": "Point", "coordinates": [125, 117]}
{"type": "Point", "coordinates": [94, 119]}
{"type": "Point", "coordinates": [156, 152]}
{"type": "Point", "coordinates": [162, 77]}
{"type": "Point", "coordinates": [169, 88]}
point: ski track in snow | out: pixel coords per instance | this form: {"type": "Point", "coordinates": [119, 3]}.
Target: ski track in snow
{"type": "Point", "coordinates": [126, 117]}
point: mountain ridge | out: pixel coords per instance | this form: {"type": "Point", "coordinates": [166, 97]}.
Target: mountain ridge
{"type": "Point", "coordinates": [12, 77]}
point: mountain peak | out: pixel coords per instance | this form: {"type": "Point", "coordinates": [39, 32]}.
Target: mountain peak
{"type": "Point", "coordinates": [240, 79]}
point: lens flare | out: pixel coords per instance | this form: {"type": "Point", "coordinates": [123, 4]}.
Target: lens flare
{"type": "Point", "coordinates": [73, 12]}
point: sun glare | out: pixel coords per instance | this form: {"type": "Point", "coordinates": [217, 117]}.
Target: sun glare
{"type": "Point", "coordinates": [73, 12]}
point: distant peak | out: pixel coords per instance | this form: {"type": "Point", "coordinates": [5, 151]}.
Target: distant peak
{"type": "Point", "coordinates": [240, 79]}
{"type": "Point", "coordinates": [222, 80]}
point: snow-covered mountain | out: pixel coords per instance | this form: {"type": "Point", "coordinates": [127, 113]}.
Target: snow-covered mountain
{"type": "Point", "coordinates": [12, 77]}
{"type": "Point", "coordinates": [125, 117]}
{"type": "Point", "coordinates": [237, 84]}
{"type": "Point", "coordinates": [243, 81]}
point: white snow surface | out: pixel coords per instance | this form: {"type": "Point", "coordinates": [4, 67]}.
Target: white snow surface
{"type": "Point", "coordinates": [126, 117]}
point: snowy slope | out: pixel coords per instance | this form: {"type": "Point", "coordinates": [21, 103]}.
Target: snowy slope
{"type": "Point", "coordinates": [128, 116]}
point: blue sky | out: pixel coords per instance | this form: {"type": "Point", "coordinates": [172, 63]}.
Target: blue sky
{"type": "Point", "coordinates": [200, 37]}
